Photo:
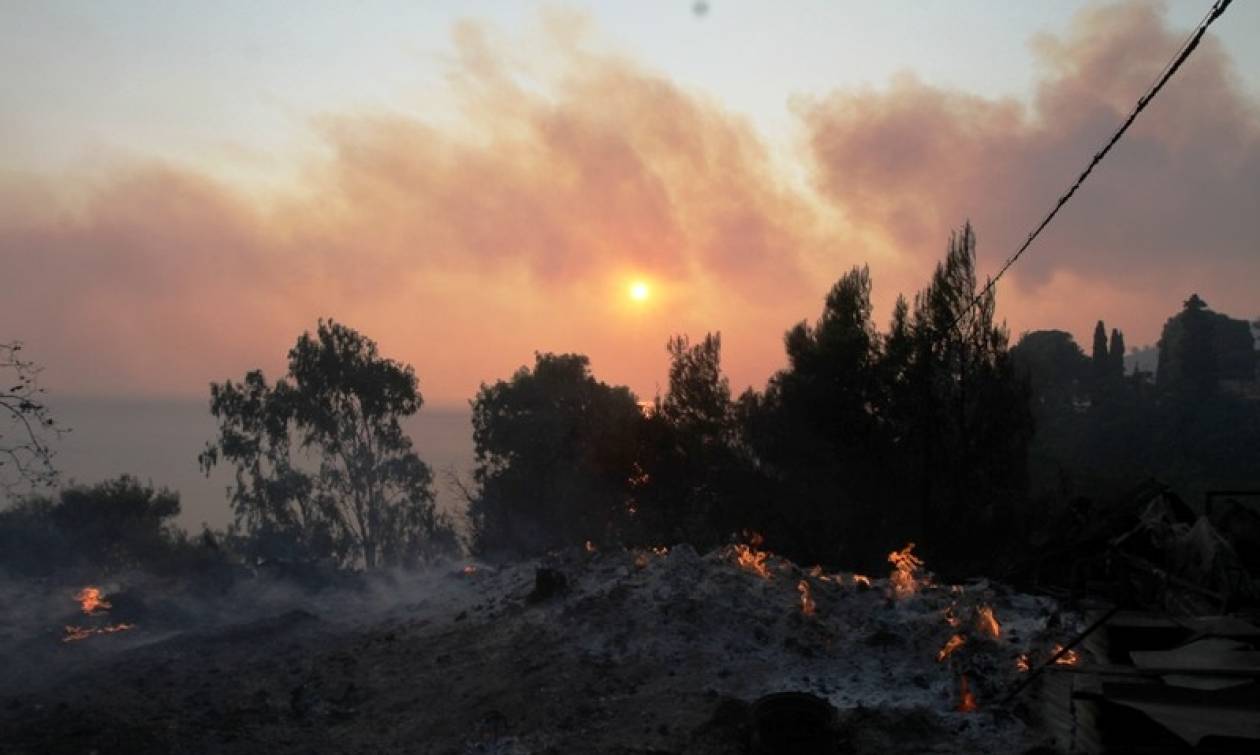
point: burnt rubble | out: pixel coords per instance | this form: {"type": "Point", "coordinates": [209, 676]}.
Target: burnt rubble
{"type": "Point", "coordinates": [662, 651]}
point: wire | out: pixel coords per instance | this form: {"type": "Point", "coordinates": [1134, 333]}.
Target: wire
{"type": "Point", "coordinates": [1183, 53]}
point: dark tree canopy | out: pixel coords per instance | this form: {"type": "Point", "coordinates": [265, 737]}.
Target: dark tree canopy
{"type": "Point", "coordinates": [870, 439]}
{"type": "Point", "coordinates": [699, 482]}
{"type": "Point", "coordinates": [555, 457]}
{"type": "Point", "coordinates": [355, 491]}
{"type": "Point", "coordinates": [1056, 368]}
{"type": "Point", "coordinates": [1199, 347]}
{"type": "Point", "coordinates": [109, 526]}
{"type": "Point", "coordinates": [1115, 356]}
{"type": "Point", "coordinates": [1100, 358]}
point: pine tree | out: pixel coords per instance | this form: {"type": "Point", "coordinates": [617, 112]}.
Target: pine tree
{"type": "Point", "coordinates": [1100, 362]}
{"type": "Point", "coordinates": [1116, 354]}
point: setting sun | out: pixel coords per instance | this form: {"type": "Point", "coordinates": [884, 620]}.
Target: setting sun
{"type": "Point", "coordinates": [639, 291]}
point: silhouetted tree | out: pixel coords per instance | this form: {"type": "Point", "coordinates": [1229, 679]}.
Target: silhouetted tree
{"type": "Point", "coordinates": [815, 429]}
{"type": "Point", "coordinates": [109, 526]}
{"type": "Point", "coordinates": [555, 457]}
{"type": "Point", "coordinates": [369, 497]}
{"type": "Point", "coordinates": [1115, 355]}
{"type": "Point", "coordinates": [1187, 353]}
{"type": "Point", "coordinates": [699, 483]}
{"type": "Point", "coordinates": [25, 425]}
{"type": "Point", "coordinates": [1056, 368]}
{"type": "Point", "coordinates": [1100, 359]}
{"type": "Point", "coordinates": [974, 417]}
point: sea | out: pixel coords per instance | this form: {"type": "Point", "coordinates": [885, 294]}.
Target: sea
{"type": "Point", "coordinates": [158, 441]}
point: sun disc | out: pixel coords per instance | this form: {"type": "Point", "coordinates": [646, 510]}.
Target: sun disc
{"type": "Point", "coordinates": [639, 291]}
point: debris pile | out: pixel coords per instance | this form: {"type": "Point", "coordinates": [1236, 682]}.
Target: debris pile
{"type": "Point", "coordinates": [586, 650]}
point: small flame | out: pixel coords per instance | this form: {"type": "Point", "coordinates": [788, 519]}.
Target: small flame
{"type": "Point", "coordinates": [1023, 664]}
{"type": "Point", "coordinates": [861, 579]}
{"type": "Point", "coordinates": [752, 560]}
{"type": "Point", "coordinates": [951, 618]}
{"type": "Point", "coordinates": [470, 569]}
{"type": "Point", "coordinates": [91, 600]}
{"type": "Point", "coordinates": [967, 699]}
{"type": "Point", "coordinates": [1070, 658]}
{"type": "Point", "coordinates": [904, 580]}
{"type": "Point", "coordinates": [987, 622]}
{"type": "Point", "coordinates": [951, 645]}
{"type": "Point", "coordinates": [807, 599]}
{"type": "Point", "coordinates": [92, 603]}
{"type": "Point", "coordinates": [590, 547]}
{"type": "Point", "coordinates": [661, 550]}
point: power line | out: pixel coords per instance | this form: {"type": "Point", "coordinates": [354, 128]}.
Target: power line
{"type": "Point", "coordinates": [1183, 53]}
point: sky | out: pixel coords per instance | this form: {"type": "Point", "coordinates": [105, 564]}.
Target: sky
{"type": "Point", "coordinates": [186, 187]}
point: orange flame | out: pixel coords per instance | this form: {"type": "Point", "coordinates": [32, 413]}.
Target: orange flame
{"type": "Point", "coordinates": [1023, 664]}
{"type": "Point", "coordinates": [752, 560]}
{"type": "Point", "coordinates": [1070, 658]}
{"type": "Point", "coordinates": [967, 699]}
{"type": "Point", "coordinates": [91, 600]}
{"type": "Point", "coordinates": [951, 645]}
{"type": "Point", "coordinates": [807, 599]}
{"type": "Point", "coordinates": [590, 547]}
{"type": "Point", "coordinates": [987, 622]}
{"type": "Point", "coordinates": [904, 579]}
{"type": "Point", "coordinates": [861, 579]}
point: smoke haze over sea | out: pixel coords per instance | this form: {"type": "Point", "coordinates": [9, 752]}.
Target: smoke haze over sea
{"type": "Point", "coordinates": [158, 441]}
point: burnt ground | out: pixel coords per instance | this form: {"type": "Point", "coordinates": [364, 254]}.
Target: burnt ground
{"type": "Point", "coordinates": [660, 656]}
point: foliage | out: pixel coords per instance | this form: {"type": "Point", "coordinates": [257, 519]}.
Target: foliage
{"type": "Point", "coordinates": [113, 525]}
{"type": "Point", "coordinates": [1193, 430]}
{"type": "Point", "coordinates": [699, 483]}
{"type": "Point", "coordinates": [872, 437]}
{"type": "Point", "coordinates": [26, 458]}
{"type": "Point", "coordinates": [1056, 368]}
{"type": "Point", "coordinates": [555, 457]}
{"type": "Point", "coordinates": [354, 491]}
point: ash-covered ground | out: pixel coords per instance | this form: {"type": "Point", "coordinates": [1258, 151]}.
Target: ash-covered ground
{"type": "Point", "coordinates": [637, 652]}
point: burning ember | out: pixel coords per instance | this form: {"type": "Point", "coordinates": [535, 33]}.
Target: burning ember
{"type": "Point", "coordinates": [1070, 658]}
{"type": "Point", "coordinates": [1023, 664]}
{"type": "Point", "coordinates": [75, 633]}
{"type": "Point", "coordinates": [904, 579]}
{"type": "Point", "coordinates": [807, 599]}
{"type": "Point", "coordinates": [967, 699]}
{"type": "Point", "coordinates": [91, 600]}
{"type": "Point", "coordinates": [861, 579]}
{"type": "Point", "coordinates": [590, 547]}
{"type": "Point", "coordinates": [953, 644]}
{"type": "Point", "coordinates": [987, 622]}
